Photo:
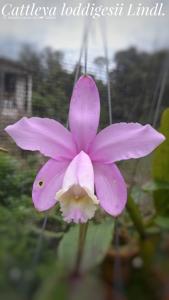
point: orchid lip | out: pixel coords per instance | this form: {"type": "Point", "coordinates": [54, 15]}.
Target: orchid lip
{"type": "Point", "coordinates": [77, 203]}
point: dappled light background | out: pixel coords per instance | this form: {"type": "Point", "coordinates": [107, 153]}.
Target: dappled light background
{"type": "Point", "coordinates": [43, 55]}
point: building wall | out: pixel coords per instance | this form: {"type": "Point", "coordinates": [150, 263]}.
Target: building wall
{"type": "Point", "coordinates": [22, 96]}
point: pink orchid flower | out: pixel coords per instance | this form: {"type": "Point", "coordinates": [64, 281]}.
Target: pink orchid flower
{"type": "Point", "coordinates": [81, 173]}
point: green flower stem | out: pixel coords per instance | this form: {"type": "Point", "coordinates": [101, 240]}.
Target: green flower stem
{"type": "Point", "coordinates": [136, 217]}
{"type": "Point", "coordinates": [82, 237]}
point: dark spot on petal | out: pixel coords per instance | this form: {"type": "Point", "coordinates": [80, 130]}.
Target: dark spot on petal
{"type": "Point", "coordinates": [41, 183]}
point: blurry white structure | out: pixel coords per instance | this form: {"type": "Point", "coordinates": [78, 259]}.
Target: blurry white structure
{"type": "Point", "coordinates": [15, 89]}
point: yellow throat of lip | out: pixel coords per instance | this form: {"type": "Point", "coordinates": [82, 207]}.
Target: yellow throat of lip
{"type": "Point", "coordinates": [77, 198]}
{"type": "Point", "coordinates": [76, 193]}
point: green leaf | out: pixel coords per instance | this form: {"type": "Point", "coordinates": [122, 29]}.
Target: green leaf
{"type": "Point", "coordinates": [54, 287]}
{"type": "Point", "coordinates": [161, 168]}
{"type": "Point", "coordinates": [162, 222]}
{"type": "Point", "coordinates": [83, 287]}
{"type": "Point", "coordinates": [97, 242]}
{"type": "Point", "coordinates": [135, 216]}
{"type": "Point", "coordinates": [137, 193]}
{"type": "Point", "coordinates": [155, 185]}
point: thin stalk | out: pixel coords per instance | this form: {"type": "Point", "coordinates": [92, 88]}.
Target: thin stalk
{"type": "Point", "coordinates": [3, 149]}
{"type": "Point", "coordinates": [82, 237]}
{"type": "Point", "coordinates": [136, 217]}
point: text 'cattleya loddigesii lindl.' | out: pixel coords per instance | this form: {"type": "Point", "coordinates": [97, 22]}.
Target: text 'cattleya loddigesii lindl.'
{"type": "Point", "coordinates": [81, 173]}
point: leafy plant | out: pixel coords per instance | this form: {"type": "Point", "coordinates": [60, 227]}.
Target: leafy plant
{"type": "Point", "coordinates": [15, 179]}
{"type": "Point", "coordinates": [97, 242]}
{"type": "Point", "coordinates": [161, 169]}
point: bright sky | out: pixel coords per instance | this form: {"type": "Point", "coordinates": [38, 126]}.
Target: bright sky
{"type": "Point", "coordinates": [66, 32]}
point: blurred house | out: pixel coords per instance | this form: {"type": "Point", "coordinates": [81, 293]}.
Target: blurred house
{"type": "Point", "coordinates": [15, 90]}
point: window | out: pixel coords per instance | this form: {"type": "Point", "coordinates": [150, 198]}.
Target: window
{"type": "Point", "coordinates": [9, 83]}
{"type": "Point", "coordinates": [9, 91]}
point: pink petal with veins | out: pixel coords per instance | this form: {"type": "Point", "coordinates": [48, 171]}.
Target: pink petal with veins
{"type": "Point", "coordinates": [45, 135]}
{"type": "Point", "coordinates": [47, 183]}
{"type": "Point", "coordinates": [124, 141]}
{"type": "Point", "coordinates": [111, 189]}
{"type": "Point", "coordinates": [84, 112]}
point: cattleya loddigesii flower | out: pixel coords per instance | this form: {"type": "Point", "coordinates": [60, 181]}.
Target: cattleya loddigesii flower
{"type": "Point", "coordinates": [81, 173]}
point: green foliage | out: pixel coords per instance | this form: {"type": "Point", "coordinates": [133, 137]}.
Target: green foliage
{"type": "Point", "coordinates": [134, 80]}
{"type": "Point", "coordinates": [20, 228]}
{"type": "Point", "coordinates": [15, 180]}
{"type": "Point", "coordinates": [155, 185]}
{"type": "Point", "coordinates": [54, 287]}
{"type": "Point", "coordinates": [85, 287]}
{"type": "Point", "coordinates": [162, 222]}
{"type": "Point", "coordinates": [8, 167]}
{"type": "Point", "coordinates": [135, 216]}
{"type": "Point", "coordinates": [98, 239]}
{"type": "Point", "coordinates": [161, 168]}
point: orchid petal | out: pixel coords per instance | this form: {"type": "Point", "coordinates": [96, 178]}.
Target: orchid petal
{"type": "Point", "coordinates": [124, 141]}
{"type": "Point", "coordinates": [84, 112]}
{"type": "Point", "coordinates": [111, 189]}
{"type": "Point", "coordinates": [45, 135]}
{"type": "Point", "coordinates": [47, 183]}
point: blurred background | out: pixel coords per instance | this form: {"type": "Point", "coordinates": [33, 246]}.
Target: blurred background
{"type": "Point", "coordinates": [39, 61]}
